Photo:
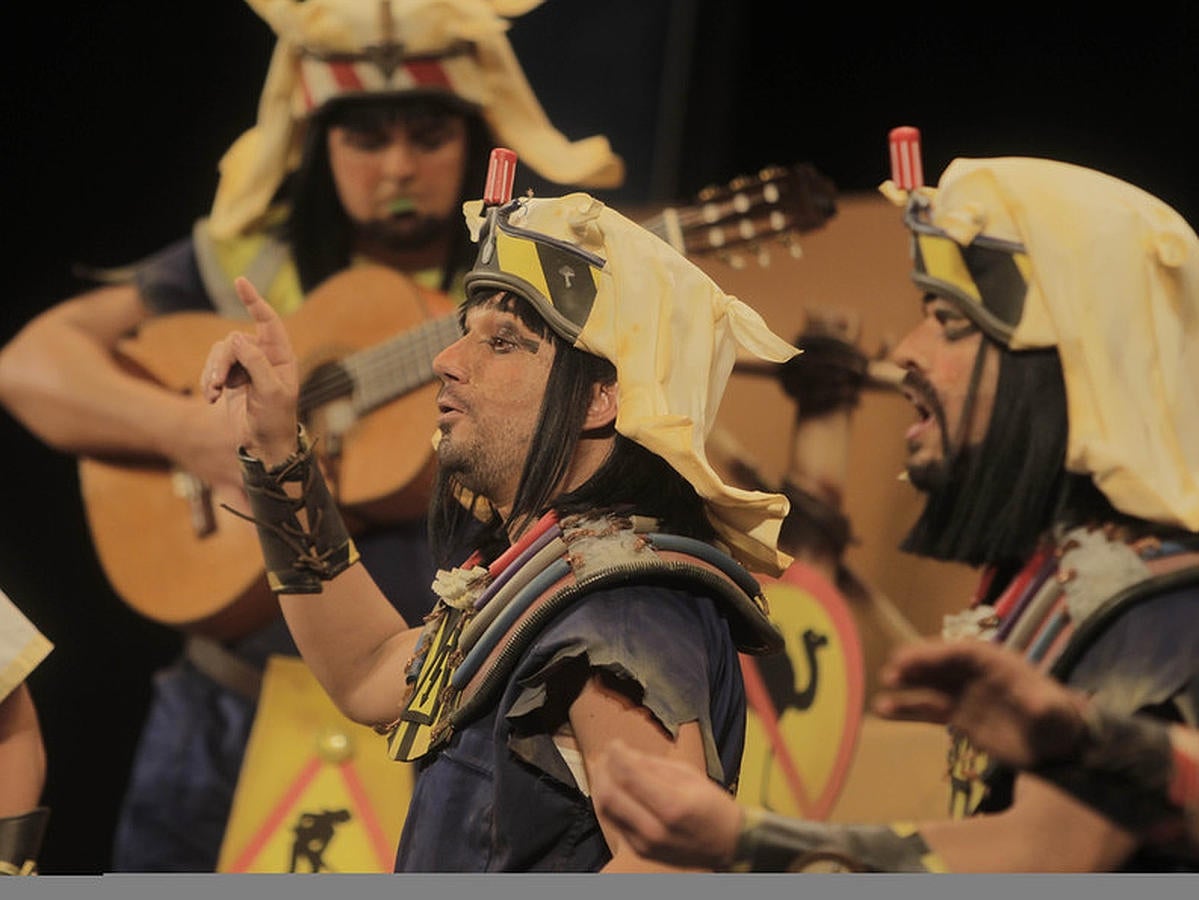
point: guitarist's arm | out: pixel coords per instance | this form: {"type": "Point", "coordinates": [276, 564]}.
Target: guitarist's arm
{"type": "Point", "coordinates": [61, 378]}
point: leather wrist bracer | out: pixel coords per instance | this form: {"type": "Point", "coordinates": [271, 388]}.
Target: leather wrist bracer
{"type": "Point", "coordinates": [769, 842]}
{"type": "Point", "coordinates": [304, 538]}
{"type": "Point", "coordinates": [21, 841]}
{"type": "Point", "coordinates": [1122, 770]}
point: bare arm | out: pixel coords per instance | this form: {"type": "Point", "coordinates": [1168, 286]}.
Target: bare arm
{"type": "Point", "coordinates": [354, 641]}
{"type": "Point", "coordinates": [59, 377]}
{"type": "Point", "coordinates": [1044, 830]}
{"type": "Point", "coordinates": [671, 812]}
{"type": "Point", "coordinates": [664, 809]}
{"type": "Point", "coordinates": [599, 716]}
{"type": "Point", "coordinates": [22, 754]}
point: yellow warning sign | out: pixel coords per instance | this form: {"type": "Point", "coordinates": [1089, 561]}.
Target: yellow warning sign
{"type": "Point", "coordinates": [317, 792]}
{"type": "Point", "coordinates": [805, 705]}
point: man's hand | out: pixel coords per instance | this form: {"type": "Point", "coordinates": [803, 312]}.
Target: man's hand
{"type": "Point", "coordinates": [255, 375]}
{"type": "Point", "coordinates": [1006, 707]}
{"type": "Point", "coordinates": [665, 809]}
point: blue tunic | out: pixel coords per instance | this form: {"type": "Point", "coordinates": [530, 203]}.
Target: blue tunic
{"type": "Point", "coordinates": [499, 797]}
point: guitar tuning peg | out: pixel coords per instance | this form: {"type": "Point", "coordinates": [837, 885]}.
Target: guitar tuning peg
{"type": "Point", "coordinates": [770, 173]}
{"type": "Point", "coordinates": [762, 255]}
{"type": "Point", "coordinates": [707, 193]}
{"type": "Point", "coordinates": [741, 182]}
{"type": "Point", "coordinates": [733, 260]}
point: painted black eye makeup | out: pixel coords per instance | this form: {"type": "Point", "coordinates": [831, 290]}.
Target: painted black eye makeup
{"type": "Point", "coordinates": [503, 334]}
{"type": "Point", "coordinates": [965, 331]}
{"type": "Point", "coordinates": [510, 334]}
{"type": "Point", "coordinates": [954, 325]}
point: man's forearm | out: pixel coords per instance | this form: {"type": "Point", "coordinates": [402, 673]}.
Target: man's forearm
{"type": "Point", "coordinates": [1141, 773]}
{"type": "Point", "coordinates": [772, 843]}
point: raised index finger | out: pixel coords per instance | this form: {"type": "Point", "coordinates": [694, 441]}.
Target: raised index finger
{"type": "Point", "coordinates": [272, 336]}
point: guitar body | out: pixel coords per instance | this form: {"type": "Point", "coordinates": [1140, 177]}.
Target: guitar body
{"type": "Point", "coordinates": [169, 549]}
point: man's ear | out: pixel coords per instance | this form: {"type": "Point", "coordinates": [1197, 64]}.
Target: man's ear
{"type": "Point", "coordinates": [601, 412]}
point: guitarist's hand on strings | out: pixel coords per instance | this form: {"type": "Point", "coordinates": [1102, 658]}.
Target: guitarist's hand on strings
{"type": "Point", "coordinates": [256, 376]}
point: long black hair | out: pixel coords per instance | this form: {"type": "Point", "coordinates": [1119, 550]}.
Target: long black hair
{"type": "Point", "coordinates": [630, 479]}
{"type": "Point", "coordinates": [318, 231]}
{"type": "Point", "coordinates": [1003, 496]}
{"type": "Point", "coordinates": [999, 496]}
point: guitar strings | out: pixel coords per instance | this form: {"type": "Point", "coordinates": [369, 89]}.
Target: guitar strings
{"type": "Point", "coordinates": [384, 371]}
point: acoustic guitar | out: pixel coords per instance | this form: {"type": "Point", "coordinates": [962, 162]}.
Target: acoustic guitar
{"type": "Point", "coordinates": [366, 340]}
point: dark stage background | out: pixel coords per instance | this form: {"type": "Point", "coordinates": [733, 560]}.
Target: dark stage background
{"type": "Point", "coordinates": [116, 114]}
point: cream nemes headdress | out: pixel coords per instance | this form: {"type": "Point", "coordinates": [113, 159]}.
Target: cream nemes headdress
{"type": "Point", "coordinates": [616, 290]}
{"type": "Point", "coordinates": [1047, 254]}
{"type": "Point", "coordinates": [337, 48]}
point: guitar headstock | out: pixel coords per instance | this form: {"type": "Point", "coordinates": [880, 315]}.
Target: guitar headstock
{"type": "Point", "coordinates": [742, 218]}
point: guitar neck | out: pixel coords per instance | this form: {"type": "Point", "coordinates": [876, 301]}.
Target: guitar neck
{"type": "Point", "coordinates": [707, 229]}
{"type": "Point", "coordinates": [385, 371]}
{"type": "Point", "coordinates": [777, 203]}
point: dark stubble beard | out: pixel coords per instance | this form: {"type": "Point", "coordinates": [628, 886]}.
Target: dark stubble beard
{"type": "Point", "coordinates": [931, 476]}
{"type": "Point", "coordinates": [412, 232]}
{"type": "Point", "coordinates": [477, 465]}
{"type": "Point", "coordinates": [937, 474]}
{"type": "Point", "coordinates": [942, 477]}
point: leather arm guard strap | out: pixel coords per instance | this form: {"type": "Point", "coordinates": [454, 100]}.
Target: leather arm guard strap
{"type": "Point", "coordinates": [769, 842]}
{"type": "Point", "coordinates": [1132, 772]}
{"type": "Point", "coordinates": [299, 554]}
{"type": "Point", "coordinates": [21, 841]}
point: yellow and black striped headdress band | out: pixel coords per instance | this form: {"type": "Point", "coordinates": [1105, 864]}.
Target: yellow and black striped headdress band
{"type": "Point", "coordinates": [559, 278]}
{"type": "Point", "coordinates": [988, 278]}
